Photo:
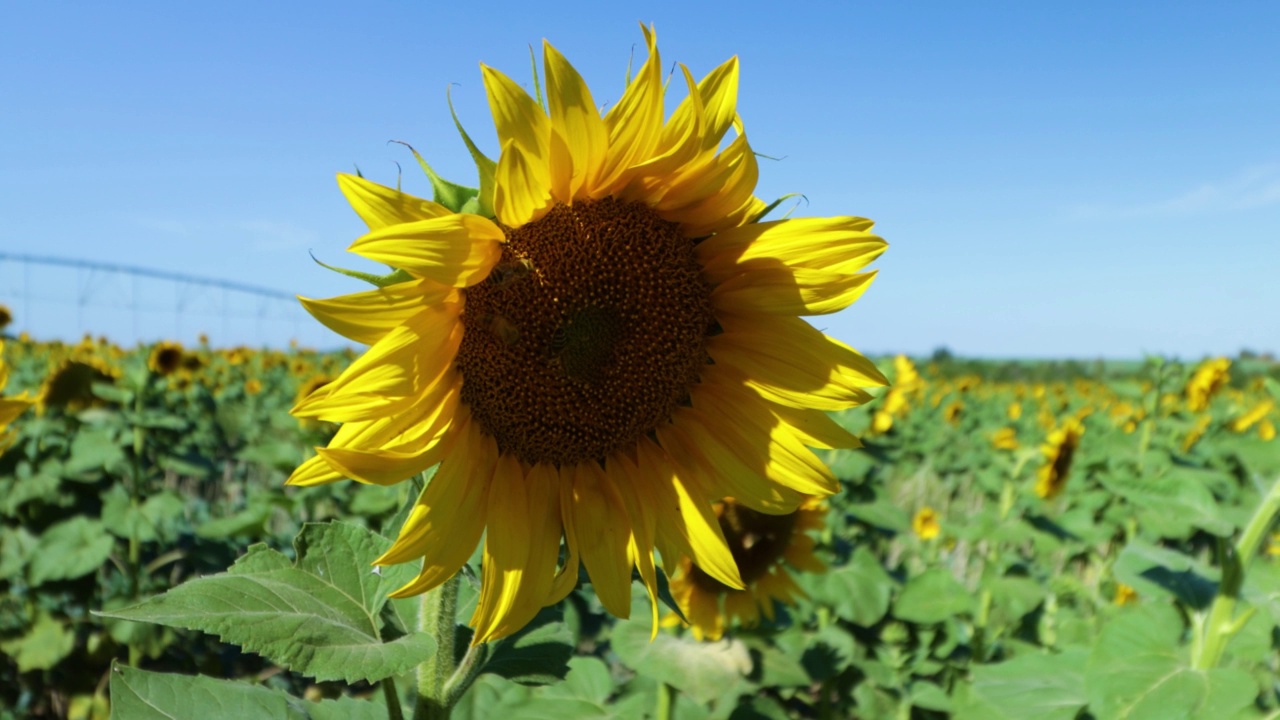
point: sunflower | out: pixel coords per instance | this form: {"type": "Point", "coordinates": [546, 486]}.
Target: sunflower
{"type": "Point", "coordinates": [1059, 450]}
{"type": "Point", "coordinates": [6, 317]}
{"type": "Point", "coordinates": [594, 346]}
{"type": "Point", "coordinates": [1206, 381]}
{"type": "Point", "coordinates": [925, 523]}
{"type": "Point", "coordinates": [166, 358]}
{"type": "Point", "coordinates": [10, 407]}
{"type": "Point", "coordinates": [70, 387]}
{"type": "Point", "coordinates": [763, 547]}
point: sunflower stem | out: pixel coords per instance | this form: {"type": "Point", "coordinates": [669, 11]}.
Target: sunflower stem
{"type": "Point", "coordinates": [666, 702]}
{"type": "Point", "coordinates": [389, 693]}
{"type": "Point", "coordinates": [437, 617]}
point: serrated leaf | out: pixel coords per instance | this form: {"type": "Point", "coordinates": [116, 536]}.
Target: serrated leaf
{"type": "Point", "coordinates": [319, 617]}
{"type": "Point", "coordinates": [141, 695]}
{"type": "Point", "coordinates": [931, 597]}
{"type": "Point", "coordinates": [70, 549]}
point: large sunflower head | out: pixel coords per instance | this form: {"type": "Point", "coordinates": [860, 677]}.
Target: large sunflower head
{"type": "Point", "coordinates": [70, 386]}
{"type": "Point", "coordinates": [766, 548]}
{"type": "Point", "coordinates": [596, 344]}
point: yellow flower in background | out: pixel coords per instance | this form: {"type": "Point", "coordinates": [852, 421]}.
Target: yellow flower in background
{"type": "Point", "coordinates": [1125, 595]}
{"type": "Point", "coordinates": [1255, 415]}
{"type": "Point", "coordinates": [1266, 431]}
{"type": "Point", "coordinates": [1208, 379]}
{"type": "Point", "coordinates": [10, 407]}
{"type": "Point", "coordinates": [594, 347]}
{"type": "Point", "coordinates": [905, 375]}
{"type": "Point", "coordinates": [953, 411]}
{"type": "Point", "coordinates": [1059, 450]}
{"type": "Point", "coordinates": [1006, 438]}
{"type": "Point", "coordinates": [1014, 410]}
{"type": "Point", "coordinates": [894, 405]}
{"type": "Point", "coordinates": [165, 358]}
{"type": "Point", "coordinates": [925, 524]}
{"type": "Point", "coordinates": [764, 547]}
{"type": "Point", "coordinates": [252, 386]}
{"type": "Point", "coordinates": [6, 317]}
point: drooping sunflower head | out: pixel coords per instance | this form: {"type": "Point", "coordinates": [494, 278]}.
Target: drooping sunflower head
{"type": "Point", "coordinates": [166, 358]}
{"type": "Point", "coordinates": [766, 548]}
{"type": "Point", "coordinates": [70, 386]}
{"type": "Point", "coordinates": [594, 345]}
{"type": "Point", "coordinates": [1059, 449]}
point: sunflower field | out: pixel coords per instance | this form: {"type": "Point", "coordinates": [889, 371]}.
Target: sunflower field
{"type": "Point", "coordinates": [1013, 540]}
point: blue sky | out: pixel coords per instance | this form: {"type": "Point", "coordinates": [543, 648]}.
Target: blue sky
{"type": "Point", "coordinates": [1054, 180]}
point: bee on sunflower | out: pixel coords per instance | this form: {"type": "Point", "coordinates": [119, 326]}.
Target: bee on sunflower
{"type": "Point", "coordinates": [594, 346]}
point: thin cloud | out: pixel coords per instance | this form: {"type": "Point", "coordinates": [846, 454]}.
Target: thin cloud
{"type": "Point", "coordinates": [1254, 188]}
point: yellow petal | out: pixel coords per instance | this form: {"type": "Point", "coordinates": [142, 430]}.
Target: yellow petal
{"type": "Point", "coordinates": [380, 206]}
{"type": "Point", "coordinates": [719, 93]}
{"type": "Point", "coordinates": [706, 200]}
{"type": "Point", "coordinates": [523, 187]}
{"type": "Point", "coordinates": [394, 372]}
{"type": "Point", "coordinates": [679, 141]}
{"type": "Point", "coordinates": [815, 428]}
{"type": "Point", "coordinates": [516, 116]}
{"type": "Point", "coordinates": [449, 516]}
{"type": "Point", "coordinates": [634, 124]}
{"type": "Point", "coordinates": [787, 361]}
{"type": "Point", "coordinates": [642, 529]}
{"type": "Point", "coordinates": [836, 244]}
{"type": "Point", "coordinates": [575, 119]}
{"type": "Point", "coordinates": [455, 250]}
{"type": "Point", "coordinates": [791, 291]}
{"type": "Point", "coordinates": [520, 550]}
{"type": "Point", "coordinates": [745, 424]}
{"type": "Point", "coordinates": [11, 408]}
{"type": "Point", "coordinates": [686, 520]}
{"type": "Point", "coordinates": [602, 531]}
{"type": "Point", "coordinates": [368, 316]}
{"type": "Point", "coordinates": [315, 471]}
{"type": "Point", "coordinates": [725, 467]}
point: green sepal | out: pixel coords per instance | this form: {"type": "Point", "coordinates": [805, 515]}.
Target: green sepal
{"type": "Point", "coordinates": [448, 194]}
{"type": "Point", "coordinates": [774, 206]}
{"type": "Point", "coordinates": [485, 168]}
{"type": "Point", "coordinates": [391, 278]}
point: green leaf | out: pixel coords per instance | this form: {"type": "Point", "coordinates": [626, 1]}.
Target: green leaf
{"type": "Point", "coordinates": [17, 547]}
{"type": "Point", "coordinates": [932, 597]}
{"type": "Point", "coordinates": [319, 617]}
{"type": "Point", "coordinates": [588, 679]}
{"type": "Point", "coordinates": [391, 278]}
{"type": "Point", "coordinates": [70, 549]}
{"type": "Point", "coordinates": [537, 655]}
{"type": "Point", "coordinates": [249, 522]}
{"type": "Point", "coordinates": [147, 522]}
{"type": "Point", "coordinates": [703, 670]}
{"type": "Point", "coordinates": [1029, 687]}
{"type": "Point", "coordinates": [448, 194]}
{"type": "Point", "coordinates": [44, 644]}
{"type": "Point", "coordinates": [1138, 671]}
{"type": "Point", "coordinates": [858, 592]}
{"type": "Point", "coordinates": [141, 695]}
{"type": "Point", "coordinates": [94, 449]}
{"type": "Point", "coordinates": [1159, 572]}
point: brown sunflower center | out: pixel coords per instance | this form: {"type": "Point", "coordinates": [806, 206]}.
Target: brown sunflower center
{"type": "Point", "coordinates": [587, 333]}
{"type": "Point", "coordinates": [757, 541]}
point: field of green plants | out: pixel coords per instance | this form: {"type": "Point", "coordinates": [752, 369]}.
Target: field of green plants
{"type": "Point", "coordinates": [1015, 540]}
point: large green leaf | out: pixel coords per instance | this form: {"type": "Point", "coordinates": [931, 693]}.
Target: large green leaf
{"type": "Point", "coordinates": [319, 617]}
{"type": "Point", "coordinates": [931, 597]}
{"type": "Point", "coordinates": [537, 655]}
{"type": "Point", "coordinates": [1138, 671]}
{"type": "Point", "coordinates": [858, 592]}
{"type": "Point", "coordinates": [70, 549]}
{"type": "Point", "coordinates": [703, 670]}
{"type": "Point", "coordinates": [44, 644]}
{"type": "Point", "coordinates": [1029, 687]}
{"type": "Point", "coordinates": [141, 695]}
{"type": "Point", "coordinates": [1155, 572]}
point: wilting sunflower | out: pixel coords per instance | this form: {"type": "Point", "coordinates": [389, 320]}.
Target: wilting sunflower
{"type": "Point", "coordinates": [70, 387]}
{"type": "Point", "coordinates": [10, 407]}
{"type": "Point", "coordinates": [764, 546]}
{"type": "Point", "coordinates": [166, 357]}
{"type": "Point", "coordinates": [1059, 449]}
{"type": "Point", "coordinates": [595, 346]}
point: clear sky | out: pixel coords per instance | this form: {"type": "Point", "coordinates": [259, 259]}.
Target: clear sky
{"type": "Point", "coordinates": [1075, 179]}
